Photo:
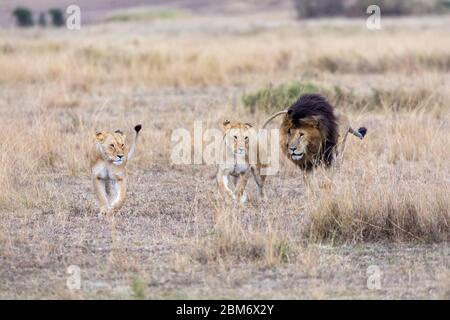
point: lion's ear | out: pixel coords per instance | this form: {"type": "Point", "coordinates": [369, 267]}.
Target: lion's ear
{"type": "Point", "coordinates": [100, 136]}
{"type": "Point", "coordinates": [248, 125]}
{"type": "Point", "coordinates": [226, 125]}
{"type": "Point", "coordinates": [313, 121]}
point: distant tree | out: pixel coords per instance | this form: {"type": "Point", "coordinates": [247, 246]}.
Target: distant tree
{"type": "Point", "coordinates": [357, 8]}
{"type": "Point", "coordinates": [57, 17]}
{"type": "Point", "coordinates": [42, 21]}
{"type": "Point", "coordinates": [317, 8]}
{"type": "Point", "coordinates": [24, 17]}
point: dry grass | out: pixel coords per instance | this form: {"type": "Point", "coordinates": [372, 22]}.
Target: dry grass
{"type": "Point", "coordinates": [228, 60]}
{"type": "Point", "coordinates": [237, 237]}
{"type": "Point", "coordinates": [174, 235]}
{"type": "Point", "coordinates": [363, 209]}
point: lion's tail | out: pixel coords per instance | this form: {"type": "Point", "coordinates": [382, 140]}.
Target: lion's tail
{"type": "Point", "coordinates": [273, 117]}
{"type": "Point", "coordinates": [360, 133]}
{"type": "Point", "coordinates": [137, 128]}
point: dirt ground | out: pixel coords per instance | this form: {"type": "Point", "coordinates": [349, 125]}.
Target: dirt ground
{"type": "Point", "coordinates": [153, 249]}
{"type": "Point", "coordinates": [174, 238]}
{"type": "Point", "coordinates": [149, 251]}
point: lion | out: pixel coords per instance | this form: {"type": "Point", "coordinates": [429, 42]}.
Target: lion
{"type": "Point", "coordinates": [313, 133]}
{"type": "Point", "coordinates": [109, 157]}
{"type": "Point", "coordinates": [236, 151]}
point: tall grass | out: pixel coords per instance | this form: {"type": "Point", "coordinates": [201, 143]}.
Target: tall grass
{"type": "Point", "coordinates": [92, 60]}
{"type": "Point", "coordinates": [379, 206]}
{"type": "Point", "coordinates": [233, 239]}
{"type": "Point", "coordinates": [57, 92]}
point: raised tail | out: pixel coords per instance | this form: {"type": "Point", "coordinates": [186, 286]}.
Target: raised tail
{"type": "Point", "coordinates": [137, 128]}
{"type": "Point", "coordinates": [273, 117]}
{"type": "Point", "coordinates": [360, 133]}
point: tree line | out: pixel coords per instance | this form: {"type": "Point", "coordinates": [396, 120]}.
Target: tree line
{"type": "Point", "coordinates": [25, 18]}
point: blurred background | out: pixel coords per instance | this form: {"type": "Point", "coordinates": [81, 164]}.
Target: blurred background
{"type": "Point", "coordinates": [169, 63]}
{"type": "Point", "coordinates": [95, 11]}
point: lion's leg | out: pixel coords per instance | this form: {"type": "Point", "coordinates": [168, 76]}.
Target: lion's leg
{"type": "Point", "coordinates": [222, 181]}
{"type": "Point", "coordinates": [241, 196]}
{"type": "Point", "coordinates": [235, 180]}
{"type": "Point", "coordinates": [100, 192]}
{"type": "Point", "coordinates": [108, 188]}
{"type": "Point", "coordinates": [309, 179]}
{"type": "Point", "coordinates": [262, 191]}
{"type": "Point", "coordinates": [120, 187]}
{"type": "Point", "coordinates": [259, 180]}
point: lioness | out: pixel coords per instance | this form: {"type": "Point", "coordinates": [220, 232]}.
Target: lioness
{"type": "Point", "coordinates": [109, 157]}
{"type": "Point", "coordinates": [235, 164]}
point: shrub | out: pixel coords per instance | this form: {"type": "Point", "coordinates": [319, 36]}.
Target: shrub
{"type": "Point", "coordinates": [24, 17]}
{"type": "Point", "coordinates": [272, 98]}
{"type": "Point", "coordinates": [316, 8]}
{"type": "Point", "coordinates": [322, 8]}
{"type": "Point", "coordinates": [57, 17]}
{"type": "Point", "coordinates": [275, 98]}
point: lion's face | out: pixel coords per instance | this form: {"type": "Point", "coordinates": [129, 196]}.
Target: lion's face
{"type": "Point", "coordinates": [112, 146]}
{"type": "Point", "coordinates": [237, 136]}
{"type": "Point", "coordinates": [303, 143]}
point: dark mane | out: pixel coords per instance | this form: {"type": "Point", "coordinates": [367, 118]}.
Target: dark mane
{"type": "Point", "coordinates": [315, 105]}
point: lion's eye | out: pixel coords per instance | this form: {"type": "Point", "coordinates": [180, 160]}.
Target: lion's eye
{"type": "Point", "coordinates": [122, 145]}
{"type": "Point", "coordinates": [235, 137]}
{"type": "Point", "coordinates": [111, 145]}
{"type": "Point", "coordinates": [301, 135]}
{"type": "Point", "coordinates": [246, 138]}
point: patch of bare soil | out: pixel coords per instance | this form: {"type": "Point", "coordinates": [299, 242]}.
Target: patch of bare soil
{"type": "Point", "coordinates": [153, 245]}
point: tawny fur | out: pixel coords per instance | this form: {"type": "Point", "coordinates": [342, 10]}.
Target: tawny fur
{"type": "Point", "coordinates": [235, 163]}
{"type": "Point", "coordinates": [109, 158]}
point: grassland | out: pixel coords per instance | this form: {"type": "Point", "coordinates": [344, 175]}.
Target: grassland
{"type": "Point", "coordinates": [388, 205]}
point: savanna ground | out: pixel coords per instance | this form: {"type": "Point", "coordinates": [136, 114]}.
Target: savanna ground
{"type": "Point", "coordinates": [388, 205]}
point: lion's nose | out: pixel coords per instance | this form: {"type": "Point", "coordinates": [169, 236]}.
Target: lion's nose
{"type": "Point", "coordinates": [120, 156]}
{"type": "Point", "coordinates": [292, 148]}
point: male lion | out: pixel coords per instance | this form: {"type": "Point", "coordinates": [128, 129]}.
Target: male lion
{"type": "Point", "coordinates": [312, 133]}
{"type": "Point", "coordinates": [109, 157]}
{"type": "Point", "coordinates": [235, 160]}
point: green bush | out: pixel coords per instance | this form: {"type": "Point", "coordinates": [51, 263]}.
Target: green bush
{"type": "Point", "coordinates": [273, 98]}
{"type": "Point", "coordinates": [57, 17]}
{"type": "Point", "coordinates": [24, 17]}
